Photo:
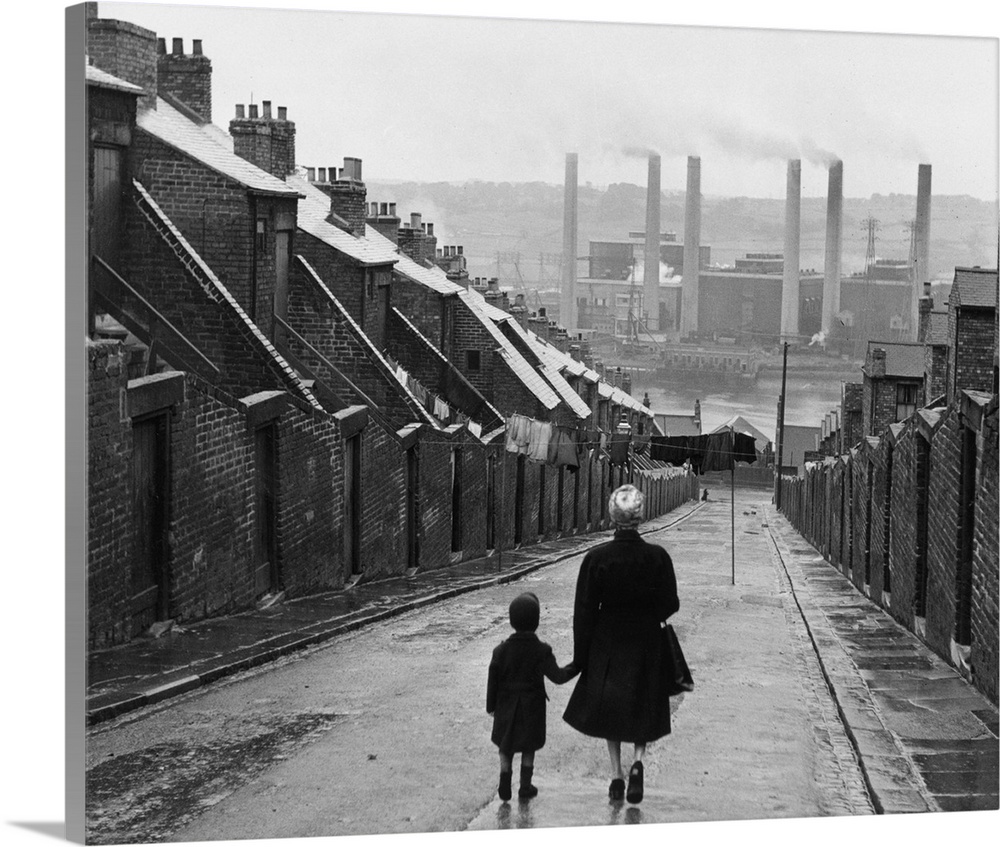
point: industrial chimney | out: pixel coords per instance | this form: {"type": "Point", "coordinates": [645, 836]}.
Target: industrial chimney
{"type": "Point", "coordinates": [651, 261]}
{"type": "Point", "coordinates": [790, 282]}
{"type": "Point", "coordinates": [692, 249]}
{"type": "Point", "coordinates": [921, 271]}
{"type": "Point", "coordinates": [834, 244]}
{"type": "Point", "coordinates": [567, 295]}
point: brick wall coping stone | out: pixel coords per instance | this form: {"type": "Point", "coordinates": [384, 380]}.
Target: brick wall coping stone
{"type": "Point", "coordinates": [154, 392]}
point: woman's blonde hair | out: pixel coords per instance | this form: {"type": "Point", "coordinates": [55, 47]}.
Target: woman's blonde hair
{"type": "Point", "coordinates": [625, 505]}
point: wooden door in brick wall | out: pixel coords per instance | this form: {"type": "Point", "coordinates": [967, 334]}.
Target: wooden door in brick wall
{"type": "Point", "coordinates": [519, 501]}
{"type": "Point", "coordinates": [491, 502]}
{"type": "Point", "coordinates": [150, 513]}
{"type": "Point", "coordinates": [266, 575]}
{"type": "Point", "coordinates": [107, 210]}
{"type": "Point", "coordinates": [412, 514]}
{"type": "Point", "coordinates": [352, 503]}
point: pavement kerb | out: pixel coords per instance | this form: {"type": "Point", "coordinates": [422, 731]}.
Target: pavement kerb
{"type": "Point", "coordinates": [176, 688]}
{"type": "Point", "coordinates": [869, 742]}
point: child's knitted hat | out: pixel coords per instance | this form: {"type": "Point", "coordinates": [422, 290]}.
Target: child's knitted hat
{"type": "Point", "coordinates": [524, 612]}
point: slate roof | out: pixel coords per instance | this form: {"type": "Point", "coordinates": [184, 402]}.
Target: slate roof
{"type": "Point", "coordinates": [171, 127]}
{"type": "Point", "coordinates": [102, 79]}
{"type": "Point", "coordinates": [976, 287]}
{"type": "Point", "coordinates": [901, 359]}
{"type": "Point", "coordinates": [738, 423]}
{"type": "Point", "coordinates": [313, 209]}
{"type": "Point", "coordinates": [433, 278]}
{"type": "Point", "coordinates": [677, 425]}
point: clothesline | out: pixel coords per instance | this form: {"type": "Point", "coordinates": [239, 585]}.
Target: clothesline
{"type": "Point", "coordinates": [431, 401]}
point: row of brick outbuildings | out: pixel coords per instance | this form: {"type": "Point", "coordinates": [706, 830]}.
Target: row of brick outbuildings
{"type": "Point", "coordinates": [289, 388]}
{"type": "Point", "coordinates": [904, 502]}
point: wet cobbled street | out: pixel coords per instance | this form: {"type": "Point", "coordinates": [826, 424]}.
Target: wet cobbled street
{"type": "Point", "coordinates": [384, 729]}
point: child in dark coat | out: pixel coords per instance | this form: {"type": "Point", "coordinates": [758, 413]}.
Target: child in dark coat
{"type": "Point", "coordinates": [515, 694]}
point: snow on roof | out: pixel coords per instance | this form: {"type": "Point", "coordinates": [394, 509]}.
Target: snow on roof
{"type": "Point", "coordinates": [95, 76]}
{"type": "Point", "coordinates": [313, 209]}
{"type": "Point", "coordinates": [171, 127]}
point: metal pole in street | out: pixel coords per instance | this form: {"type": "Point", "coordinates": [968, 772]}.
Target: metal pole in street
{"type": "Point", "coordinates": [732, 500]}
{"type": "Point", "coordinates": [781, 427]}
{"type": "Point", "coordinates": [501, 511]}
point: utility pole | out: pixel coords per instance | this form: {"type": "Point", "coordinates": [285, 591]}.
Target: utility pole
{"type": "Point", "coordinates": [781, 427]}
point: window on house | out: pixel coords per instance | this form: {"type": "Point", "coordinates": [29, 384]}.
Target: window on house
{"type": "Point", "coordinates": [472, 360]}
{"type": "Point", "coordinates": [906, 400]}
{"type": "Point", "coordinates": [261, 235]}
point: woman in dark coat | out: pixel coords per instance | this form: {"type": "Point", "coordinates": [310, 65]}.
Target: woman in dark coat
{"type": "Point", "coordinates": [515, 694]}
{"type": "Point", "coordinates": [625, 591]}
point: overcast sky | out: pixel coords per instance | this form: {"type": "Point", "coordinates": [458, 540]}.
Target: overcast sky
{"type": "Point", "coordinates": [451, 98]}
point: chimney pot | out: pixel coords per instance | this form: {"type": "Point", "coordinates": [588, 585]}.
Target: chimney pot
{"type": "Point", "coordinates": [430, 230]}
{"type": "Point", "coordinates": [178, 47]}
{"type": "Point", "coordinates": [322, 175]}
{"type": "Point", "coordinates": [415, 220]}
{"type": "Point", "coordinates": [240, 112]}
{"type": "Point", "coordinates": [392, 210]}
{"type": "Point", "coordinates": [383, 208]}
{"type": "Point", "coordinates": [311, 174]}
{"type": "Point", "coordinates": [267, 109]}
{"type": "Point", "coordinates": [424, 228]}
{"type": "Point", "coordinates": [196, 47]}
{"type": "Point", "coordinates": [333, 173]}
{"type": "Point", "coordinates": [161, 46]}
{"type": "Point", "coordinates": [460, 249]}
{"type": "Point", "coordinates": [282, 113]}
{"type": "Point", "coordinates": [253, 111]}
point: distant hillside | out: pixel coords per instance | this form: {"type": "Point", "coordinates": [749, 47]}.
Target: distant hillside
{"type": "Point", "coordinates": [526, 219]}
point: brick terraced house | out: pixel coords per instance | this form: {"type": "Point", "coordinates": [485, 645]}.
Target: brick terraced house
{"type": "Point", "coordinates": [909, 511]}
{"type": "Point", "coordinates": [287, 393]}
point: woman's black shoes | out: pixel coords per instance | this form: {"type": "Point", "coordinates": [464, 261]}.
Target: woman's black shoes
{"type": "Point", "coordinates": [616, 791]}
{"type": "Point", "coordinates": [634, 793]}
{"type": "Point", "coordinates": [504, 788]}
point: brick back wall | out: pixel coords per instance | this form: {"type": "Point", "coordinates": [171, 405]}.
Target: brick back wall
{"type": "Point", "coordinates": [434, 515]}
{"type": "Point", "coordinates": [311, 480]}
{"type": "Point", "coordinates": [473, 497]}
{"type": "Point", "coordinates": [421, 305]}
{"type": "Point", "coordinates": [904, 527]}
{"type": "Point", "coordinates": [344, 278]}
{"type": "Point", "coordinates": [878, 551]}
{"type": "Point", "coordinates": [975, 351]}
{"type": "Point", "coordinates": [942, 553]}
{"type": "Point", "coordinates": [212, 327]}
{"type": "Point", "coordinates": [935, 371]}
{"type": "Point", "coordinates": [212, 212]}
{"type": "Point", "coordinates": [807, 500]}
{"type": "Point", "coordinates": [986, 554]}
{"type": "Point", "coordinates": [212, 507]}
{"type": "Point", "coordinates": [109, 537]}
{"type": "Point", "coordinates": [383, 502]}
{"type": "Point", "coordinates": [316, 318]}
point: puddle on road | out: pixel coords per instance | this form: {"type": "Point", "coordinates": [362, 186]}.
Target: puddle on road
{"type": "Point", "coordinates": [145, 795]}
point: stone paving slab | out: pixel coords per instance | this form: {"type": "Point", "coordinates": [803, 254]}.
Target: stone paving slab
{"type": "Point", "coordinates": [926, 739]}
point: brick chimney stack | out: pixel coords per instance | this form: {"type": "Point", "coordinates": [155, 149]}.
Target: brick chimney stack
{"type": "Point", "coordinates": [187, 78]}
{"type": "Point", "coordinates": [878, 363]}
{"type": "Point", "coordinates": [125, 50]}
{"type": "Point", "coordinates": [348, 195]}
{"type": "Point", "coordinates": [383, 217]}
{"type": "Point", "coordinates": [263, 140]}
